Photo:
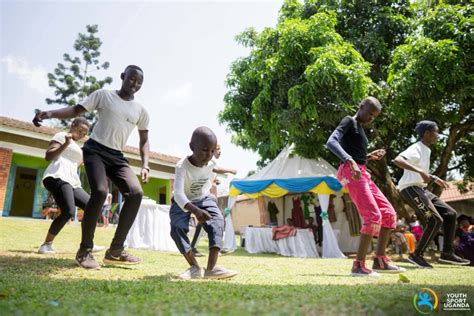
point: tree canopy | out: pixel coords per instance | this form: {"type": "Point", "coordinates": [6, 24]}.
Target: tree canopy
{"type": "Point", "coordinates": [323, 57]}
{"type": "Point", "coordinates": [75, 79]}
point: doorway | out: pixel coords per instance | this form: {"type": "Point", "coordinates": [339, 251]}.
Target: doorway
{"type": "Point", "coordinates": [23, 192]}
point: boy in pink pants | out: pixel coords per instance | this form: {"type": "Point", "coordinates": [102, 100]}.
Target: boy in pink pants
{"type": "Point", "coordinates": [349, 143]}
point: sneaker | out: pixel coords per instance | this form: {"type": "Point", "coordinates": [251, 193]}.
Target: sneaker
{"type": "Point", "coordinates": [85, 260]}
{"type": "Point", "coordinates": [227, 251]}
{"type": "Point", "coordinates": [419, 261]}
{"type": "Point", "coordinates": [98, 248]}
{"type": "Point", "coordinates": [359, 269]}
{"type": "Point", "coordinates": [193, 272]}
{"type": "Point", "coordinates": [219, 273]}
{"type": "Point", "coordinates": [120, 257]}
{"type": "Point", "coordinates": [383, 264]}
{"type": "Point", "coordinates": [453, 259]}
{"type": "Point", "coordinates": [196, 253]}
{"type": "Point", "coordinates": [46, 248]}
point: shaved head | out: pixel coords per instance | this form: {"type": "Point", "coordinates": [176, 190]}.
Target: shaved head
{"type": "Point", "coordinates": [371, 101]}
{"type": "Point", "coordinates": [203, 134]}
{"type": "Point", "coordinates": [203, 144]}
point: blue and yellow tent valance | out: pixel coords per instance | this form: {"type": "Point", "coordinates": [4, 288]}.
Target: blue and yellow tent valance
{"type": "Point", "coordinates": [274, 188]}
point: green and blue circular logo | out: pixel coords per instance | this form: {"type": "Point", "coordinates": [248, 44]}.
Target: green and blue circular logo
{"type": "Point", "coordinates": [425, 301]}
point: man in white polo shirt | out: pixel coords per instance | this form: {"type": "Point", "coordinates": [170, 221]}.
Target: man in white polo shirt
{"type": "Point", "coordinates": [118, 114]}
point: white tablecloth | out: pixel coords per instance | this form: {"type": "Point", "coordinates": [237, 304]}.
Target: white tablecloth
{"type": "Point", "coordinates": [151, 229]}
{"type": "Point", "coordinates": [259, 239]}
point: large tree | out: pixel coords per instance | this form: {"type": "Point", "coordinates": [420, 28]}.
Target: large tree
{"type": "Point", "coordinates": [302, 76]}
{"type": "Point", "coordinates": [431, 76]}
{"type": "Point", "coordinates": [298, 80]}
{"type": "Point", "coordinates": [76, 78]}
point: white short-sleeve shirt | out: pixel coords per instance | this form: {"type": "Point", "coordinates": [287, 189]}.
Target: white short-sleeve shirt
{"type": "Point", "coordinates": [116, 117]}
{"type": "Point", "coordinates": [65, 166]}
{"type": "Point", "coordinates": [417, 155]}
{"type": "Point", "coordinates": [192, 183]}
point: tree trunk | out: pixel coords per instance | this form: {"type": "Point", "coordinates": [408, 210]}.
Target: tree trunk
{"type": "Point", "coordinates": [381, 175]}
{"type": "Point", "coordinates": [455, 134]}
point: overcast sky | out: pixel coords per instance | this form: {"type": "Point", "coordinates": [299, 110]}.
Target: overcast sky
{"type": "Point", "coordinates": [184, 47]}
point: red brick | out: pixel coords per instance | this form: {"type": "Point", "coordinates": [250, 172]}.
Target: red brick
{"type": "Point", "coordinates": [5, 160]}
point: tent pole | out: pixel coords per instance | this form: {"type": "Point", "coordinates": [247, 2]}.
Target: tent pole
{"type": "Point", "coordinates": [284, 218]}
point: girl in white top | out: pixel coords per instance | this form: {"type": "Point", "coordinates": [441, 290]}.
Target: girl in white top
{"type": "Point", "coordinates": [61, 177]}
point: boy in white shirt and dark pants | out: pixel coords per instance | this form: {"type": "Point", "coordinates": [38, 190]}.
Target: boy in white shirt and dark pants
{"type": "Point", "coordinates": [118, 114]}
{"type": "Point", "coordinates": [415, 161]}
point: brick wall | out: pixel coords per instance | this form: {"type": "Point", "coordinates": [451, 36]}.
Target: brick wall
{"type": "Point", "coordinates": [5, 163]}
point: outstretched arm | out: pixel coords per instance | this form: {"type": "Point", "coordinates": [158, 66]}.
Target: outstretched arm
{"type": "Point", "coordinates": [221, 170]}
{"type": "Point", "coordinates": [65, 113]}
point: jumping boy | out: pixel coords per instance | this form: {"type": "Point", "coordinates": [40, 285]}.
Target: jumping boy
{"type": "Point", "coordinates": [415, 162]}
{"type": "Point", "coordinates": [193, 181]}
{"type": "Point", "coordinates": [118, 114]}
{"type": "Point", "coordinates": [349, 143]}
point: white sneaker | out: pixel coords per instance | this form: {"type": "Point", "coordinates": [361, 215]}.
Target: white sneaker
{"type": "Point", "coordinates": [227, 251]}
{"type": "Point", "coordinates": [219, 273]}
{"type": "Point", "coordinates": [46, 248]}
{"type": "Point", "coordinates": [97, 248]}
{"type": "Point", "coordinates": [192, 273]}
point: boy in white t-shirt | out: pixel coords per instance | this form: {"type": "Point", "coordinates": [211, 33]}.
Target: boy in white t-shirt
{"type": "Point", "coordinates": [415, 161]}
{"type": "Point", "coordinates": [193, 181]}
{"type": "Point", "coordinates": [118, 114]}
{"type": "Point", "coordinates": [215, 183]}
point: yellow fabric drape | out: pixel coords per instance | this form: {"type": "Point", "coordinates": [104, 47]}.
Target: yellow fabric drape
{"type": "Point", "coordinates": [274, 191]}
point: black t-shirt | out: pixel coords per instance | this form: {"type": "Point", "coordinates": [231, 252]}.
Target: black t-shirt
{"type": "Point", "coordinates": [353, 139]}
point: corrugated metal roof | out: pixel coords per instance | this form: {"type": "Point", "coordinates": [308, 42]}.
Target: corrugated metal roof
{"type": "Point", "coordinates": [453, 194]}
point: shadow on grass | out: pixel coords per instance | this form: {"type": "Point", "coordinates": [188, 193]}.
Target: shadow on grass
{"type": "Point", "coordinates": [33, 266]}
{"type": "Point", "coordinates": [35, 252]}
{"type": "Point", "coordinates": [32, 284]}
{"type": "Point", "coordinates": [32, 252]}
{"type": "Point", "coordinates": [342, 275]}
{"type": "Point", "coordinates": [241, 252]}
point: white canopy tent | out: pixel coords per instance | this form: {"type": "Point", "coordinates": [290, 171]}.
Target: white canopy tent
{"type": "Point", "coordinates": [290, 173]}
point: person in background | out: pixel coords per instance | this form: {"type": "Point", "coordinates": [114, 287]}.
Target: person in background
{"type": "Point", "coordinates": [464, 238]}
{"type": "Point", "coordinates": [106, 210]}
{"type": "Point", "coordinates": [415, 227]}
{"type": "Point", "coordinates": [313, 227]}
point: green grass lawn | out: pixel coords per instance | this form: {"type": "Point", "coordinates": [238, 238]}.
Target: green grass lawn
{"type": "Point", "coordinates": [267, 284]}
